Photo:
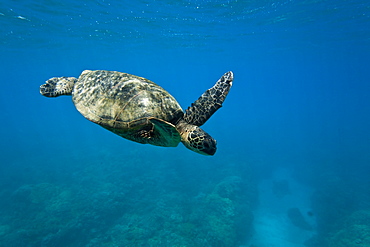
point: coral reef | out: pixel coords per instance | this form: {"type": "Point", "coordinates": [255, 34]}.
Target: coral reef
{"type": "Point", "coordinates": [132, 203]}
{"type": "Point", "coordinates": [355, 231]}
{"type": "Point", "coordinates": [341, 207]}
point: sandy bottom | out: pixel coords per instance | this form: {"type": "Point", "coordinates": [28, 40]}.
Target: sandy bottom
{"type": "Point", "coordinates": [272, 226]}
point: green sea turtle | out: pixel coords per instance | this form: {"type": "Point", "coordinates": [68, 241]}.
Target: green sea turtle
{"type": "Point", "coordinates": [137, 109]}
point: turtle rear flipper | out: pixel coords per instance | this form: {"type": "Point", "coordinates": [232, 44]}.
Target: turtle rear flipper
{"type": "Point", "coordinates": [210, 101]}
{"type": "Point", "coordinates": [58, 86]}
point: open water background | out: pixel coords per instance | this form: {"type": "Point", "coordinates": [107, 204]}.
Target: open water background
{"type": "Point", "coordinates": [293, 135]}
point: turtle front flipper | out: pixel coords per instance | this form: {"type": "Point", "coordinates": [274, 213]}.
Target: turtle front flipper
{"type": "Point", "coordinates": [58, 86]}
{"type": "Point", "coordinates": [164, 134]}
{"type": "Point", "coordinates": [210, 101]}
{"type": "Point", "coordinates": [152, 131]}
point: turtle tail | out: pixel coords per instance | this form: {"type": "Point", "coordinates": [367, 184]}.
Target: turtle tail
{"type": "Point", "coordinates": [58, 86]}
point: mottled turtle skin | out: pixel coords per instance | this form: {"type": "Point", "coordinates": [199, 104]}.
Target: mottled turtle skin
{"type": "Point", "coordinates": [137, 109]}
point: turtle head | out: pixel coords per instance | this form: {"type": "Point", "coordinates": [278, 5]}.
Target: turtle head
{"type": "Point", "coordinates": [196, 139]}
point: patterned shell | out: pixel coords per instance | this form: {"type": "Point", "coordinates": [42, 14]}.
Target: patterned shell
{"type": "Point", "coordinates": [120, 101]}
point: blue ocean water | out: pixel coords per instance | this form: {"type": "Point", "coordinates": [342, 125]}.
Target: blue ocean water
{"type": "Point", "coordinates": [293, 161]}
